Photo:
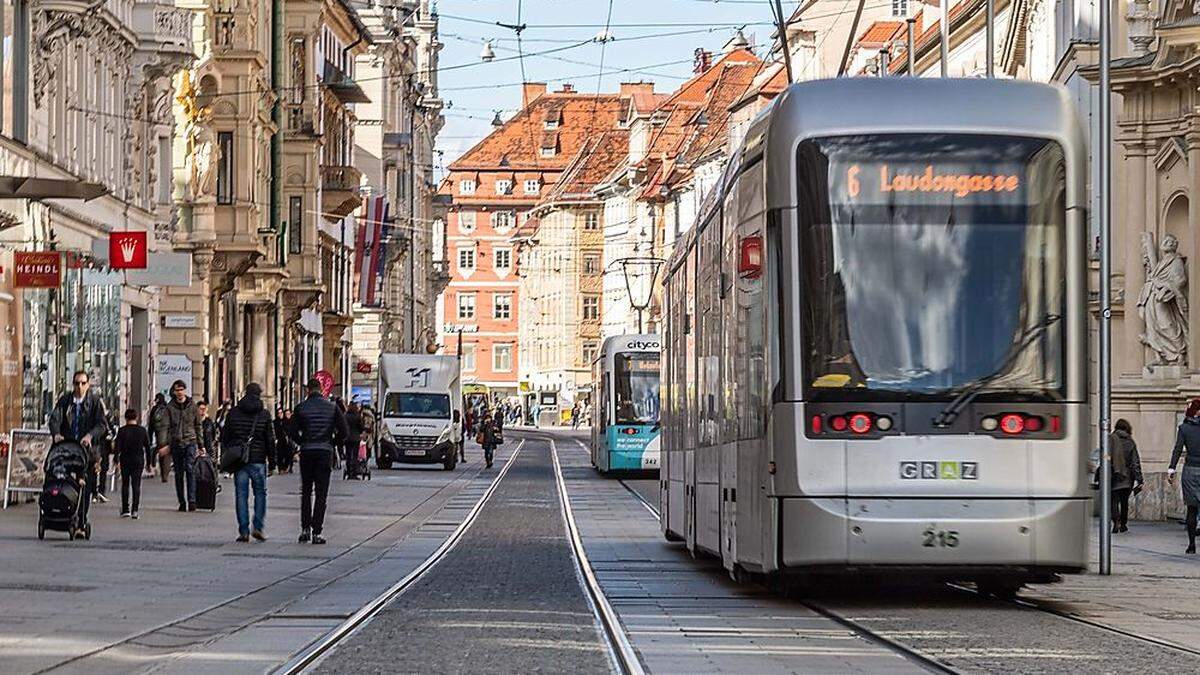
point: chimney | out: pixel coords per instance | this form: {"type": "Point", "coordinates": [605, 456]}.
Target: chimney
{"type": "Point", "coordinates": [567, 88]}
{"type": "Point", "coordinates": [701, 61]}
{"type": "Point", "coordinates": [531, 91]}
{"type": "Point", "coordinates": [633, 88]}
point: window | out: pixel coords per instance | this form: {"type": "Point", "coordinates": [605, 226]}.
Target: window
{"type": "Point", "coordinates": [547, 152]}
{"type": "Point", "coordinates": [466, 221]}
{"type": "Point", "coordinates": [164, 169]}
{"type": "Point", "coordinates": [589, 351]}
{"type": "Point", "coordinates": [591, 307]}
{"type": "Point", "coordinates": [466, 305]}
{"type": "Point", "coordinates": [503, 220]}
{"type": "Point", "coordinates": [503, 259]}
{"type": "Point", "coordinates": [502, 306]}
{"type": "Point", "coordinates": [225, 168]}
{"type": "Point", "coordinates": [551, 124]}
{"type": "Point", "coordinates": [591, 221]}
{"type": "Point", "coordinates": [468, 358]}
{"type": "Point", "coordinates": [591, 264]}
{"type": "Point", "coordinates": [466, 187]}
{"type": "Point", "coordinates": [295, 232]}
{"type": "Point", "coordinates": [504, 187]}
{"type": "Point", "coordinates": [532, 186]}
{"type": "Point", "coordinates": [502, 357]}
{"type": "Point", "coordinates": [900, 8]}
{"type": "Point", "coordinates": [466, 258]}
{"type": "Point", "coordinates": [14, 68]}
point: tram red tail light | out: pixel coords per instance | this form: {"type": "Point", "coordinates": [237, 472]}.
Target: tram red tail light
{"type": "Point", "coordinates": [816, 424]}
{"type": "Point", "coordinates": [1012, 424]}
{"type": "Point", "coordinates": [1055, 424]}
{"type": "Point", "coordinates": [860, 423]}
{"type": "Point", "coordinates": [838, 423]}
{"type": "Point", "coordinates": [1034, 424]}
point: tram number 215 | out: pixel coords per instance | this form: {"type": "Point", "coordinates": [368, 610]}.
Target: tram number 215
{"type": "Point", "coordinates": [939, 538]}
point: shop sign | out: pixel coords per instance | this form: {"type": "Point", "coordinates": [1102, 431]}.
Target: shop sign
{"type": "Point", "coordinates": [37, 269]}
{"type": "Point", "coordinates": [171, 367]}
{"type": "Point", "coordinates": [163, 269]}
{"type": "Point", "coordinates": [455, 328]}
{"type": "Point", "coordinates": [127, 250]}
{"type": "Point", "coordinates": [97, 277]}
{"type": "Point", "coordinates": [180, 321]}
{"type": "Point", "coordinates": [363, 367]}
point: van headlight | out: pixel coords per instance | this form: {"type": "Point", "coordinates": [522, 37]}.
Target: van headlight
{"type": "Point", "coordinates": [443, 437]}
{"type": "Point", "coordinates": [387, 435]}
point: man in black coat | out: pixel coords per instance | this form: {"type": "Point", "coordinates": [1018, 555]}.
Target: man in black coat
{"type": "Point", "coordinates": [318, 427]}
{"type": "Point", "coordinates": [79, 417]}
{"type": "Point", "coordinates": [249, 424]}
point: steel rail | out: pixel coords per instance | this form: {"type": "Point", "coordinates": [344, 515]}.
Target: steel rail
{"type": "Point", "coordinates": [622, 650]}
{"type": "Point", "coordinates": [317, 650]}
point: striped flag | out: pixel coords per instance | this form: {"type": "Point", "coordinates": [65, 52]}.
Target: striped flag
{"type": "Point", "coordinates": [366, 255]}
{"type": "Point", "coordinates": [379, 254]}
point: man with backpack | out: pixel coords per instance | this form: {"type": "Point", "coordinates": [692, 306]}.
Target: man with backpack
{"type": "Point", "coordinates": [249, 430]}
{"type": "Point", "coordinates": [318, 428]}
{"type": "Point", "coordinates": [179, 425]}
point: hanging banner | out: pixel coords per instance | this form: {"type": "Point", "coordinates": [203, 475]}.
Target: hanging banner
{"type": "Point", "coordinates": [37, 269]}
{"type": "Point", "coordinates": [127, 250]}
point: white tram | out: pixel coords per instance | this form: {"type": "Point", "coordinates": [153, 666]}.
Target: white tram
{"type": "Point", "coordinates": [874, 351]}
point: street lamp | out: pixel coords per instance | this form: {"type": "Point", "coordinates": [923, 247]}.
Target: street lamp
{"type": "Point", "coordinates": [639, 273]}
{"type": "Point", "coordinates": [487, 54]}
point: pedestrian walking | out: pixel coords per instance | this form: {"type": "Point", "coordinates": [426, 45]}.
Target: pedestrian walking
{"type": "Point", "coordinates": [354, 436]}
{"type": "Point", "coordinates": [536, 411]}
{"type": "Point", "coordinates": [282, 444]}
{"type": "Point", "coordinates": [576, 412]}
{"type": "Point", "coordinates": [162, 455]}
{"type": "Point", "coordinates": [105, 447]}
{"type": "Point", "coordinates": [79, 417]}
{"type": "Point", "coordinates": [1187, 441]}
{"type": "Point", "coordinates": [133, 447]}
{"type": "Point", "coordinates": [1126, 473]}
{"type": "Point", "coordinates": [249, 427]}
{"type": "Point", "coordinates": [489, 438]}
{"type": "Point", "coordinates": [211, 433]}
{"type": "Point", "coordinates": [179, 425]}
{"type": "Point", "coordinates": [456, 435]}
{"type": "Point", "coordinates": [319, 427]}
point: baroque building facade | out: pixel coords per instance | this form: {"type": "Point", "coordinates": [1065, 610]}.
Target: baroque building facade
{"type": "Point", "coordinates": [85, 104]}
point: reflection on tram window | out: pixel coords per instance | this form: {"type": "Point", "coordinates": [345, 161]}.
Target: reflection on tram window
{"type": "Point", "coordinates": [399, 404]}
{"type": "Point", "coordinates": [931, 258]}
{"type": "Point", "coordinates": [636, 384]}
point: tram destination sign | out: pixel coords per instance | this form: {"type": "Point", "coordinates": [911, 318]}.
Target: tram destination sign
{"type": "Point", "coordinates": [925, 183]}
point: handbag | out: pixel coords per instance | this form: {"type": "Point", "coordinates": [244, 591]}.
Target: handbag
{"type": "Point", "coordinates": [236, 455]}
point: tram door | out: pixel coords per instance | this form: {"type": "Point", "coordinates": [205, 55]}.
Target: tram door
{"type": "Point", "coordinates": [689, 392]}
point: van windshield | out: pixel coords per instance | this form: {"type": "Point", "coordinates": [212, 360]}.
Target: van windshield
{"type": "Point", "coordinates": [404, 404]}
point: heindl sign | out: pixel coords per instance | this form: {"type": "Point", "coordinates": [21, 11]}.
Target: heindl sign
{"type": "Point", "coordinates": [37, 269]}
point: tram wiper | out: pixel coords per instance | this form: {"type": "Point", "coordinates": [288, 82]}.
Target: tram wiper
{"type": "Point", "coordinates": [968, 393]}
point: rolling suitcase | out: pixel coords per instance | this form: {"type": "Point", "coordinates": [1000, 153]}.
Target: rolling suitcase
{"type": "Point", "coordinates": [207, 486]}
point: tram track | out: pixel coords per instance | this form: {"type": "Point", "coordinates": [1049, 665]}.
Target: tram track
{"type": "Point", "coordinates": [318, 650]}
{"type": "Point", "coordinates": [144, 639]}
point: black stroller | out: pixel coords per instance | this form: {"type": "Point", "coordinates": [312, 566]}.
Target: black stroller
{"type": "Point", "coordinates": [356, 462]}
{"type": "Point", "coordinates": [61, 504]}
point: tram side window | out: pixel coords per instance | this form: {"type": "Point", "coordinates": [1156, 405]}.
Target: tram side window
{"type": "Point", "coordinates": [751, 353]}
{"type": "Point", "coordinates": [709, 311]}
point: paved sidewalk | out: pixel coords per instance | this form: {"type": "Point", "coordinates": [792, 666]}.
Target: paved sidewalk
{"type": "Point", "coordinates": [173, 592]}
{"type": "Point", "coordinates": [1154, 589]}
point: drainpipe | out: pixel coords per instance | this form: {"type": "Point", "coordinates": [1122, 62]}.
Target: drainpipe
{"type": "Point", "coordinates": [276, 203]}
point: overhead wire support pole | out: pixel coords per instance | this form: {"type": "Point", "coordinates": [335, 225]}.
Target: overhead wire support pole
{"type": "Point", "coordinates": [1105, 152]}
{"type": "Point", "coordinates": [910, 52]}
{"type": "Point", "coordinates": [944, 47]}
{"type": "Point", "coordinates": [781, 21]}
{"type": "Point", "coordinates": [990, 39]}
{"type": "Point", "coordinates": [850, 38]}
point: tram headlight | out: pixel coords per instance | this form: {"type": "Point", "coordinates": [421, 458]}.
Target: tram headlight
{"type": "Point", "coordinates": [883, 423]}
{"type": "Point", "coordinates": [989, 424]}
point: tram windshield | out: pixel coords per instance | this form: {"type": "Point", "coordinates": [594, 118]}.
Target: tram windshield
{"type": "Point", "coordinates": [927, 262]}
{"type": "Point", "coordinates": [401, 404]}
{"type": "Point", "coordinates": [636, 388]}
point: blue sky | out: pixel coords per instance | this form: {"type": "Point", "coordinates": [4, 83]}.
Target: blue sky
{"type": "Point", "coordinates": [475, 89]}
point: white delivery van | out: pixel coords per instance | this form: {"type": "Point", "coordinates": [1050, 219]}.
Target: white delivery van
{"type": "Point", "coordinates": [418, 394]}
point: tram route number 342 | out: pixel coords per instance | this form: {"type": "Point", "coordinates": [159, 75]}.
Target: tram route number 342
{"type": "Point", "coordinates": [932, 538]}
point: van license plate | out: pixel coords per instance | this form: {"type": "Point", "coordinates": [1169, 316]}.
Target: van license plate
{"type": "Point", "coordinates": [414, 453]}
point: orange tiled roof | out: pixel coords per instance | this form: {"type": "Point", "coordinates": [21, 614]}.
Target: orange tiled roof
{"type": "Point", "coordinates": [594, 161]}
{"type": "Point", "coordinates": [879, 32]}
{"type": "Point", "coordinates": [518, 143]}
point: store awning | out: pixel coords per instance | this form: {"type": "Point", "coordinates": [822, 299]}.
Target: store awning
{"type": "Point", "coordinates": [28, 187]}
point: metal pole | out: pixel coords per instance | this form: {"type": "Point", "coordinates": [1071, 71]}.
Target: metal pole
{"type": "Point", "coordinates": [883, 62]}
{"type": "Point", "coordinates": [850, 38]}
{"type": "Point", "coordinates": [911, 49]}
{"type": "Point", "coordinates": [781, 22]}
{"type": "Point", "coordinates": [945, 46]}
{"type": "Point", "coordinates": [990, 41]}
{"type": "Point", "coordinates": [1105, 287]}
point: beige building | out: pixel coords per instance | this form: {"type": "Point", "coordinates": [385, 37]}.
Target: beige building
{"type": "Point", "coordinates": [561, 253]}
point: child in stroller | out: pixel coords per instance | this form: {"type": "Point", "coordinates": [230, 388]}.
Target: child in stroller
{"type": "Point", "coordinates": [62, 506]}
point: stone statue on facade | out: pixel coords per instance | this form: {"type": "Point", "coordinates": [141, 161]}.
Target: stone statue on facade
{"type": "Point", "coordinates": [203, 153]}
{"type": "Point", "coordinates": [1162, 303]}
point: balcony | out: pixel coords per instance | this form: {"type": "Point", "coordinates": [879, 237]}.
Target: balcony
{"type": "Point", "coordinates": [342, 86]}
{"type": "Point", "coordinates": [340, 190]}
